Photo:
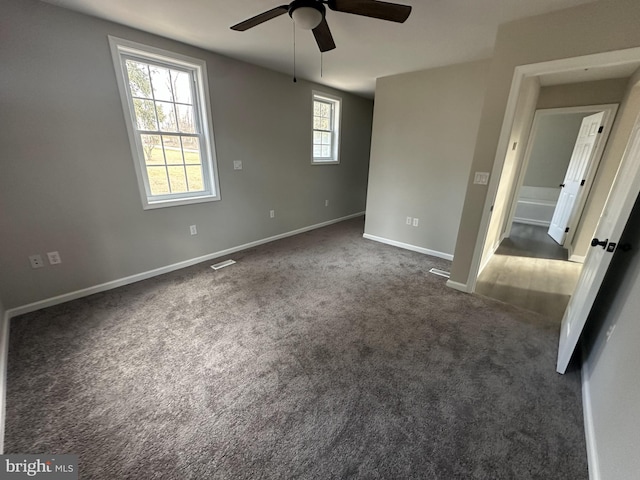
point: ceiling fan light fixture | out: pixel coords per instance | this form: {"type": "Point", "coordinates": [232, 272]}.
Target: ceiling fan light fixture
{"type": "Point", "coordinates": [306, 18]}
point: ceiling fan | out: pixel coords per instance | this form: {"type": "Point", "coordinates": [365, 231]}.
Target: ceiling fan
{"type": "Point", "coordinates": [310, 15]}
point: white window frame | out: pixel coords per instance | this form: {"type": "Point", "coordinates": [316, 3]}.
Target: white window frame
{"type": "Point", "coordinates": [336, 117]}
{"type": "Point", "coordinates": [122, 49]}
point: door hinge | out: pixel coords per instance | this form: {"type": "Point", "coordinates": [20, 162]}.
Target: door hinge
{"type": "Point", "coordinates": [491, 209]}
{"type": "Point", "coordinates": [582, 183]}
{"type": "Point", "coordinates": [601, 129]}
{"type": "Point", "coordinates": [566, 230]}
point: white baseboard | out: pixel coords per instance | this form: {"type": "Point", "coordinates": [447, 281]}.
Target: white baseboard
{"type": "Point", "coordinates": [458, 286]}
{"type": "Point", "coordinates": [531, 221]}
{"type": "Point", "coordinates": [573, 257]}
{"type": "Point", "coordinates": [32, 307]}
{"type": "Point", "coordinates": [587, 408]}
{"type": "Point", "coordinates": [407, 246]}
{"type": "Point", "coordinates": [577, 258]}
{"type": "Point", "coordinates": [4, 355]}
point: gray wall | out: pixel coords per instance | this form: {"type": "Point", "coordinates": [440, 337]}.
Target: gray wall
{"type": "Point", "coordinates": [424, 130]}
{"type": "Point", "coordinates": [598, 92]}
{"type": "Point", "coordinates": [552, 148]}
{"type": "Point", "coordinates": [612, 360]}
{"type": "Point", "coordinates": [68, 181]}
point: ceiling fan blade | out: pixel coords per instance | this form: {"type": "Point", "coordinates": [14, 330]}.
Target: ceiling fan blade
{"type": "Point", "coordinates": [324, 39]}
{"type": "Point", "coordinates": [263, 17]}
{"type": "Point", "coordinates": [393, 12]}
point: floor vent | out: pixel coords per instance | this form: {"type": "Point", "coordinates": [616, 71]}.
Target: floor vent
{"type": "Point", "coordinates": [442, 273]}
{"type": "Point", "coordinates": [220, 265]}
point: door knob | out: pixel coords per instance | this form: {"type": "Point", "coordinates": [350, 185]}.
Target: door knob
{"type": "Point", "coordinates": [595, 242]}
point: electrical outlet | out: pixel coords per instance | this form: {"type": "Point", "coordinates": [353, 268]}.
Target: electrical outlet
{"type": "Point", "coordinates": [193, 230]}
{"type": "Point", "coordinates": [326, 203]}
{"type": "Point", "coordinates": [481, 178]}
{"type": "Point", "coordinates": [54, 258]}
{"type": "Point", "coordinates": [237, 164]}
{"type": "Point", "coordinates": [272, 213]}
{"type": "Point", "coordinates": [36, 261]}
{"type": "Point", "coordinates": [415, 222]}
{"type": "Point", "coordinates": [409, 220]}
{"type": "Point", "coordinates": [610, 331]}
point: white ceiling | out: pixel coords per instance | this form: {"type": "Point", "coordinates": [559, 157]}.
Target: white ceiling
{"type": "Point", "coordinates": [437, 33]}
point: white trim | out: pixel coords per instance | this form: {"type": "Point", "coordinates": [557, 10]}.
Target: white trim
{"type": "Point", "coordinates": [201, 106]}
{"type": "Point", "coordinates": [531, 221]}
{"type": "Point", "coordinates": [521, 72]}
{"type": "Point", "coordinates": [49, 302]}
{"type": "Point", "coordinates": [462, 287]}
{"type": "Point", "coordinates": [407, 246]}
{"type": "Point", "coordinates": [336, 127]}
{"type": "Point", "coordinates": [577, 258]}
{"type": "Point", "coordinates": [4, 356]}
{"type": "Point", "coordinates": [589, 429]}
{"type": "Point", "coordinates": [533, 201]}
{"type": "Point", "coordinates": [490, 255]}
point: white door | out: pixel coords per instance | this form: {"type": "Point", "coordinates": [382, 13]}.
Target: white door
{"type": "Point", "coordinates": [622, 196]}
{"type": "Point", "coordinates": [575, 176]}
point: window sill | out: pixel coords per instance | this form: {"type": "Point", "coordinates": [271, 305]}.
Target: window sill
{"type": "Point", "coordinates": [150, 205]}
{"type": "Point", "coordinates": [324, 162]}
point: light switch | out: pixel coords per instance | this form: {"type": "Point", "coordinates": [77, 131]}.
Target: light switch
{"type": "Point", "coordinates": [237, 164]}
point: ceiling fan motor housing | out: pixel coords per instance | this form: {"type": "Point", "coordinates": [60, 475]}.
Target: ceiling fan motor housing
{"type": "Point", "coordinates": [314, 4]}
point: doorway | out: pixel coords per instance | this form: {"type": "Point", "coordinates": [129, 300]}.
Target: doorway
{"type": "Point", "coordinates": [607, 65]}
{"type": "Point", "coordinates": [528, 268]}
{"type": "Point", "coordinates": [616, 183]}
{"type": "Point", "coordinates": [549, 166]}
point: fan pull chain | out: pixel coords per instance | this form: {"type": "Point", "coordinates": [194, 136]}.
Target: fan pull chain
{"type": "Point", "coordinates": [321, 58]}
{"type": "Point", "coordinates": [294, 53]}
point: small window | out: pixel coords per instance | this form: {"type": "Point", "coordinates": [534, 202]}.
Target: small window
{"type": "Point", "coordinates": [326, 128]}
{"type": "Point", "coordinates": [165, 101]}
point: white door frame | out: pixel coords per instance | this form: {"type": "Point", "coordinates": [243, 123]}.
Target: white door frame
{"type": "Point", "coordinates": [610, 110]}
{"type": "Point", "coordinates": [606, 59]}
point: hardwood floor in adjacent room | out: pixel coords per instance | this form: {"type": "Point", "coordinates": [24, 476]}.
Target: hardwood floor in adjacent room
{"type": "Point", "coordinates": [530, 270]}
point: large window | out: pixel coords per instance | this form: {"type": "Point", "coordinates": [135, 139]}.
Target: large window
{"type": "Point", "coordinates": [326, 128]}
{"type": "Point", "coordinates": [165, 99]}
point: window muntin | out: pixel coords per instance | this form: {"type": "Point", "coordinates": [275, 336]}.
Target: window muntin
{"type": "Point", "coordinates": [326, 128]}
{"type": "Point", "coordinates": [164, 95]}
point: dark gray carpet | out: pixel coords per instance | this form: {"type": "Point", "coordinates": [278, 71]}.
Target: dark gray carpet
{"type": "Point", "coordinates": [319, 356]}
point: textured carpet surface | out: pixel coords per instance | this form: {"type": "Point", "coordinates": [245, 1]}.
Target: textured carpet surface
{"type": "Point", "coordinates": [319, 356]}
